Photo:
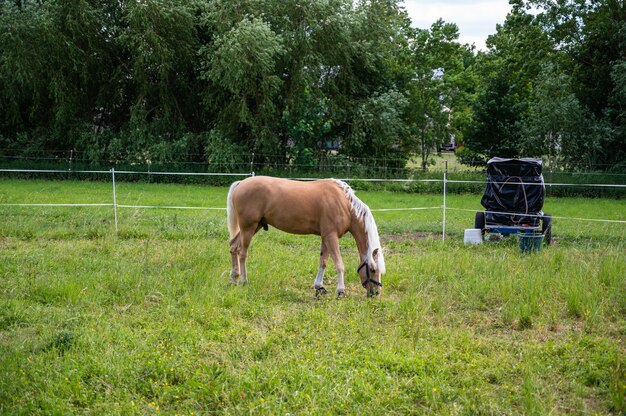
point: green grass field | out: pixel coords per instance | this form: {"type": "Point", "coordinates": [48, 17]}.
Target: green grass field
{"type": "Point", "coordinates": [145, 322]}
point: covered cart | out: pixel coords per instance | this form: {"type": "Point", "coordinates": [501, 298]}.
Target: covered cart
{"type": "Point", "coordinates": [513, 199]}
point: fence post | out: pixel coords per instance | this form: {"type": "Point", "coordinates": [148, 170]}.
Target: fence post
{"type": "Point", "coordinates": [114, 199]}
{"type": "Point", "coordinates": [445, 181]}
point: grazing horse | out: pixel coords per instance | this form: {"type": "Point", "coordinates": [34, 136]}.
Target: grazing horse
{"type": "Point", "coordinates": [328, 208]}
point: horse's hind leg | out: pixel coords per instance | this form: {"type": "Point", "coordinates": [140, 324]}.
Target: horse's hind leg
{"type": "Point", "coordinates": [235, 250]}
{"type": "Point", "coordinates": [246, 238]}
{"type": "Point", "coordinates": [319, 279]}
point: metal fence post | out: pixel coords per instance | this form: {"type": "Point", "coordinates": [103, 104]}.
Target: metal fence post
{"type": "Point", "coordinates": [445, 182]}
{"type": "Point", "coordinates": [114, 199]}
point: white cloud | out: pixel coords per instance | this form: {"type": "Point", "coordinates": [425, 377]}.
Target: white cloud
{"type": "Point", "coordinates": [476, 19]}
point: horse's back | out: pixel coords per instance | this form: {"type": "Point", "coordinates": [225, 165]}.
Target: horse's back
{"type": "Point", "coordinates": [292, 206]}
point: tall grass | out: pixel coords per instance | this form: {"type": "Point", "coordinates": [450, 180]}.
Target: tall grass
{"type": "Point", "coordinates": [145, 321]}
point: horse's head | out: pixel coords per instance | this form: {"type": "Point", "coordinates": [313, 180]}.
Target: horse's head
{"type": "Point", "coordinates": [370, 275]}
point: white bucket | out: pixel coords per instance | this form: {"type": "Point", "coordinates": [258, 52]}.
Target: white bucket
{"type": "Point", "coordinates": [473, 236]}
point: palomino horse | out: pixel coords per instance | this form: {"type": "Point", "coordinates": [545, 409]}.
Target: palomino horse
{"type": "Point", "coordinates": [328, 208]}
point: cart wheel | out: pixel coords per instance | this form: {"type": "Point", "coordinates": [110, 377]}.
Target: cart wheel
{"type": "Point", "coordinates": [479, 220]}
{"type": "Point", "coordinates": [546, 229]}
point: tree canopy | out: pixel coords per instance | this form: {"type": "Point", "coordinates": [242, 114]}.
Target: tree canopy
{"type": "Point", "coordinates": [553, 85]}
{"type": "Point", "coordinates": [294, 82]}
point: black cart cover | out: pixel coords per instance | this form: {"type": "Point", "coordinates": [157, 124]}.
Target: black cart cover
{"type": "Point", "coordinates": [514, 187]}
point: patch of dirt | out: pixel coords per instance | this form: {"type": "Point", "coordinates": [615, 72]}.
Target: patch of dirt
{"type": "Point", "coordinates": [411, 235]}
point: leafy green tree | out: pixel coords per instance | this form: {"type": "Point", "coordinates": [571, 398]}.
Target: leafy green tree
{"type": "Point", "coordinates": [509, 70]}
{"type": "Point", "coordinates": [306, 126]}
{"type": "Point", "coordinates": [89, 67]}
{"type": "Point", "coordinates": [159, 80]}
{"type": "Point", "coordinates": [576, 119]}
{"type": "Point", "coordinates": [591, 37]}
{"type": "Point", "coordinates": [328, 62]}
{"type": "Point", "coordinates": [555, 119]}
{"type": "Point", "coordinates": [369, 105]}
{"type": "Point", "coordinates": [437, 87]}
{"type": "Point", "coordinates": [316, 36]}
{"type": "Point", "coordinates": [379, 128]}
{"type": "Point", "coordinates": [159, 41]}
{"type": "Point", "coordinates": [52, 69]}
{"type": "Point", "coordinates": [243, 85]}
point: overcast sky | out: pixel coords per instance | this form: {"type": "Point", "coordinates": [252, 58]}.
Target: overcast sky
{"type": "Point", "coordinates": [476, 19]}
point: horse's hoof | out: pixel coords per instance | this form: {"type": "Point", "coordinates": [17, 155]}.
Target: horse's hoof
{"type": "Point", "coordinates": [341, 294]}
{"type": "Point", "coordinates": [320, 291]}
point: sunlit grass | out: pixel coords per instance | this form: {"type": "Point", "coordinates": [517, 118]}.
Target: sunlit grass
{"type": "Point", "coordinates": [145, 321]}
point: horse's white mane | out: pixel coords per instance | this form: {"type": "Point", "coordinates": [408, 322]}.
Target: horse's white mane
{"type": "Point", "coordinates": [361, 210]}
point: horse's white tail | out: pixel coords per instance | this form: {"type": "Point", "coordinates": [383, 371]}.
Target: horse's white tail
{"type": "Point", "coordinates": [233, 223]}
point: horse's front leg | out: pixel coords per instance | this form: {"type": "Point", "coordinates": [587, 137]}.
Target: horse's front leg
{"type": "Point", "coordinates": [319, 279]}
{"type": "Point", "coordinates": [332, 242]}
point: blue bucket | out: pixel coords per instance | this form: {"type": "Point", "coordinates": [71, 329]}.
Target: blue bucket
{"type": "Point", "coordinates": [530, 242]}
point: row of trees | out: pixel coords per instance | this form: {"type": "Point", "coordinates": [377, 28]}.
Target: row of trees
{"type": "Point", "coordinates": [554, 84]}
{"type": "Point", "coordinates": [217, 80]}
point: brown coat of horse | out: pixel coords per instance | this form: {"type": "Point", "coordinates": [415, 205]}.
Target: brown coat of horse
{"type": "Point", "coordinates": [328, 208]}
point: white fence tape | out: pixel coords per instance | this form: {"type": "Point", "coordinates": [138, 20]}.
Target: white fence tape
{"type": "Point", "coordinates": [592, 185]}
{"type": "Point", "coordinates": [443, 207]}
{"type": "Point", "coordinates": [125, 172]}
{"type": "Point", "coordinates": [131, 172]}
{"type": "Point", "coordinates": [171, 207]}
{"type": "Point", "coordinates": [403, 209]}
{"type": "Point", "coordinates": [56, 205]}
{"type": "Point", "coordinates": [53, 171]}
{"type": "Point", "coordinates": [536, 215]}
